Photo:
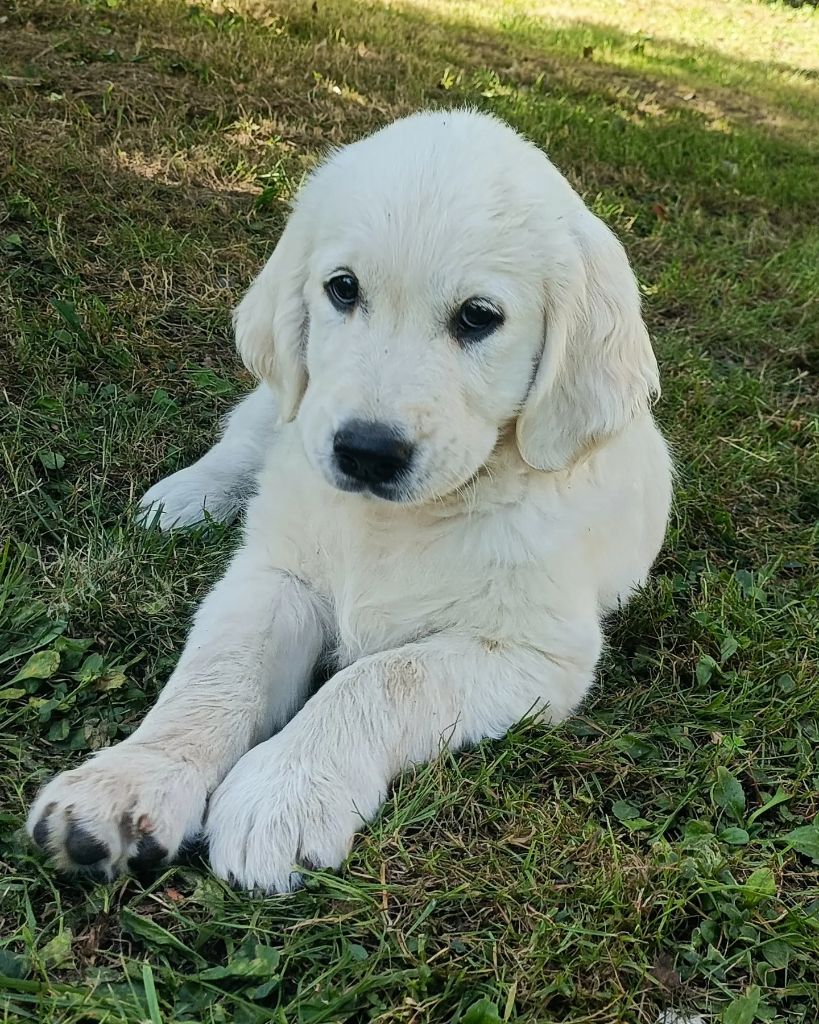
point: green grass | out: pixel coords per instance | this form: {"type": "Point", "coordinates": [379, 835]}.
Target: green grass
{"type": "Point", "coordinates": [659, 849]}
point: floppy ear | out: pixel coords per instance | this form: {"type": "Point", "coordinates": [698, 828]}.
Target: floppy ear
{"type": "Point", "coordinates": [271, 321]}
{"type": "Point", "coordinates": [597, 371]}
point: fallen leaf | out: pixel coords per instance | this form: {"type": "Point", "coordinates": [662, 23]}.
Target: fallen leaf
{"type": "Point", "coordinates": [41, 665]}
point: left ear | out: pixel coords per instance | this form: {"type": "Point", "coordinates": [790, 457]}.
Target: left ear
{"type": "Point", "coordinates": [270, 321]}
{"type": "Point", "coordinates": [597, 371]}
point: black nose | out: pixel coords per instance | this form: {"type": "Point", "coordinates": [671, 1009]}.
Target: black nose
{"type": "Point", "coordinates": [372, 453]}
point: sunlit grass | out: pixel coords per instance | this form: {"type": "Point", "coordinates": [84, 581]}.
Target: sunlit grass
{"type": "Point", "coordinates": [768, 33]}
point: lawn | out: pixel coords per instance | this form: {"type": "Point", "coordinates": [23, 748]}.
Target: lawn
{"type": "Point", "coordinates": [659, 849]}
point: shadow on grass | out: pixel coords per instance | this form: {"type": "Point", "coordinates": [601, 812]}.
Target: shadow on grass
{"type": "Point", "coordinates": [149, 160]}
{"type": "Point", "coordinates": [608, 106]}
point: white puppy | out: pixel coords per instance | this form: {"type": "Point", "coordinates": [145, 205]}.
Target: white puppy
{"type": "Point", "coordinates": [458, 476]}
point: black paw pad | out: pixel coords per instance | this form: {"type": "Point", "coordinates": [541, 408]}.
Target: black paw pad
{"type": "Point", "coordinates": [96, 873]}
{"type": "Point", "coordinates": [40, 832]}
{"type": "Point", "coordinates": [149, 854]}
{"type": "Point", "coordinates": [192, 848]}
{"type": "Point", "coordinates": [83, 848]}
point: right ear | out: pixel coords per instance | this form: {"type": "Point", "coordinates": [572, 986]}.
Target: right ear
{"type": "Point", "coordinates": [271, 321]}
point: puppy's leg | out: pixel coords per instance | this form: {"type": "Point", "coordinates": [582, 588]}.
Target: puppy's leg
{"type": "Point", "coordinates": [244, 671]}
{"type": "Point", "coordinates": [223, 478]}
{"type": "Point", "coordinates": [300, 797]}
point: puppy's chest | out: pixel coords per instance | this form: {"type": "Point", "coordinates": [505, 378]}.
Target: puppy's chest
{"type": "Point", "coordinates": [391, 587]}
{"type": "Point", "coordinates": [387, 595]}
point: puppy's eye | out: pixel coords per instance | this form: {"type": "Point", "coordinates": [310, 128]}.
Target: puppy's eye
{"type": "Point", "coordinates": [342, 291]}
{"type": "Point", "coordinates": [476, 319]}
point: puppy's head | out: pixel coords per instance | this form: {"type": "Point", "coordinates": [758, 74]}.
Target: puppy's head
{"type": "Point", "coordinates": [436, 282]}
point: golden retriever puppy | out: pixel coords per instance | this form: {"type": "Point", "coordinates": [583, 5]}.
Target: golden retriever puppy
{"type": "Point", "coordinates": [455, 475]}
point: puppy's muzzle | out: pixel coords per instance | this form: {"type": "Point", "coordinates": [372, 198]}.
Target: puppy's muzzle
{"type": "Point", "coordinates": [371, 454]}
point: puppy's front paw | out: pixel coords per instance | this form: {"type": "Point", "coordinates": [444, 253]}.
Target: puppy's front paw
{"type": "Point", "coordinates": [127, 809]}
{"type": "Point", "coordinates": [279, 809]}
{"type": "Point", "coordinates": [183, 498]}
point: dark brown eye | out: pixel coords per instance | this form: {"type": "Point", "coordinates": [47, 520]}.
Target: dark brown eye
{"type": "Point", "coordinates": [476, 319]}
{"type": "Point", "coordinates": [342, 291]}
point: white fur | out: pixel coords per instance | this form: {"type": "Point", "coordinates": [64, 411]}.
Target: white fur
{"type": "Point", "coordinates": [537, 502]}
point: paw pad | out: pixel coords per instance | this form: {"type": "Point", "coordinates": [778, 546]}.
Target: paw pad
{"type": "Point", "coordinates": [41, 832]}
{"type": "Point", "coordinates": [149, 854]}
{"type": "Point", "coordinates": [82, 847]}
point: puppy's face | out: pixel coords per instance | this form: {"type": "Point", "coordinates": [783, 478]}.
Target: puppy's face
{"type": "Point", "coordinates": [435, 283]}
{"type": "Point", "coordinates": [422, 333]}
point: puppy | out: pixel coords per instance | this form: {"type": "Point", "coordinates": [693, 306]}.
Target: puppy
{"type": "Point", "coordinates": [456, 475]}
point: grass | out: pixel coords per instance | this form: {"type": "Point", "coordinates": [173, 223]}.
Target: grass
{"type": "Point", "coordinates": [658, 850]}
